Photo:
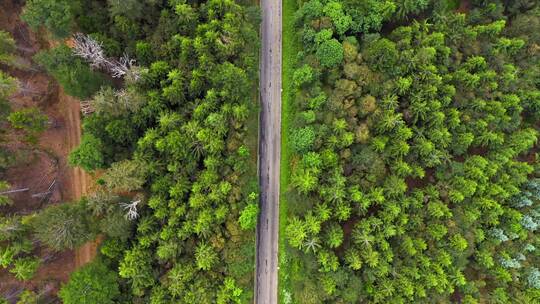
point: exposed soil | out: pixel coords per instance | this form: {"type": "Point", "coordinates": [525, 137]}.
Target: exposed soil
{"type": "Point", "coordinates": [41, 166]}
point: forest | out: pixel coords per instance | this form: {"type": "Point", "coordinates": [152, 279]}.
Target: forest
{"type": "Point", "coordinates": [409, 173]}
{"type": "Point", "coordinates": [412, 144]}
{"type": "Point", "coordinates": [168, 93]}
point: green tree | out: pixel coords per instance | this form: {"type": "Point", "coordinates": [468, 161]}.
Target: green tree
{"type": "Point", "coordinates": [334, 236]}
{"type": "Point", "coordinates": [330, 53]}
{"type": "Point", "coordinates": [93, 283]}
{"type": "Point", "coordinates": [126, 175]}
{"type": "Point", "coordinates": [88, 155]}
{"type": "Point", "coordinates": [205, 256]}
{"type": "Point", "coordinates": [63, 226]}
{"type": "Point", "coordinates": [136, 266]}
{"type": "Point", "coordinates": [4, 199]}
{"type": "Point", "coordinates": [29, 119]}
{"type": "Point", "coordinates": [7, 48]}
{"type": "Point", "coordinates": [71, 72]}
{"type": "Point", "coordinates": [248, 216]}
{"type": "Point", "coordinates": [55, 15]}
{"type": "Point", "coordinates": [28, 297]}
{"type": "Point", "coordinates": [25, 268]}
{"type": "Point", "coordinates": [302, 139]}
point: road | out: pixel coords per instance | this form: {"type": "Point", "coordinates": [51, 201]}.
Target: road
{"type": "Point", "coordinates": [266, 284]}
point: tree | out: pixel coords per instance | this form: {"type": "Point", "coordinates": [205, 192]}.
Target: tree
{"type": "Point", "coordinates": [303, 75]}
{"type": "Point", "coordinates": [55, 15]}
{"type": "Point", "coordinates": [28, 297]}
{"type": "Point", "coordinates": [8, 86]}
{"type": "Point", "coordinates": [330, 53]}
{"type": "Point", "coordinates": [4, 199]}
{"type": "Point", "coordinates": [127, 175]}
{"type": "Point", "coordinates": [248, 216]}
{"type": "Point", "coordinates": [93, 283]}
{"type": "Point", "coordinates": [302, 139]}
{"type": "Point", "coordinates": [72, 73]}
{"type": "Point", "coordinates": [334, 236]}
{"type": "Point", "coordinates": [88, 154]}
{"type": "Point", "coordinates": [25, 268]}
{"type": "Point", "coordinates": [136, 266]}
{"type": "Point", "coordinates": [116, 103]}
{"type": "Point", "coordinates": [63, 226]}
{"type": "Point", "coordinates": [29, 119]}
{"type": "Point", "coordinates": [7, 48]}
{"type": "Point", "coordinates": [205, 256]}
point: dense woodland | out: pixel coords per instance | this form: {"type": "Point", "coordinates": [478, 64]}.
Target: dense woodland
{"type": "Point", "coordinates": [414, 173]}
{"type": "Point", "coordinates": [169, 94]}
{"type": "Point", "coordinates": [414, 164]}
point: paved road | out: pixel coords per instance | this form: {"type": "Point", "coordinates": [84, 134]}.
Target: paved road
{"type": "Point", "coordinates": [266, 285]}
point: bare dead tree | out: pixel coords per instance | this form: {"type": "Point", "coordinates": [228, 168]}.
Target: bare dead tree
{"type": "Point", "coordinates": [24, 89]}
{"type": "Point", "coordinates": [92, 51]}
{"type": "Point", "coordinates": [86, 107]}
{"type": "Point", "coordinates": [14, 191]}
{"type": "Point", "coordinates": [120, 68]}
{"type": "Point", "coordinates": [13, 293]}
{"type": "Point", "coordinates": [131, 208]}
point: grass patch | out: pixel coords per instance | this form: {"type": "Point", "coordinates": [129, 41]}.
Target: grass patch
{"type": "Point", "coordinates": [290, 51]}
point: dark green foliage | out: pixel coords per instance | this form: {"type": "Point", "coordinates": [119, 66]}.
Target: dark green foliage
{"type": "Point", "coordinates": [93, 283]}
{"type": "Point", "coordinates": [330, 53]}
{"type": "Point", "coordinates": [72, 73]}
{"type": "Point", "coordinates": [182, 134]}
{"type": "Point", "coordinates": [54, 15]}
{"type": "Point", "coordinates": [64, 226]}
{"type": "Point", "coordinates": [302, 139]}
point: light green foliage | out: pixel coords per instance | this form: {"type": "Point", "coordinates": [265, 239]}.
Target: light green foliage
{"type": "Point", "coordinates": [302, 139]}
{"type": "Point", "coordinates": [4, 199]}
{"type": "Point", "coordinates": [25, 268]}
{"type": "Point", "coordinates": [416, 175]}
{"type": "Point", "coordinates": [303, 75]}
{"type": "Point", "coordinates": [88, 154]}
{"type": "Point", "coordinates": [125, 176]}
{"type": "Point", "coordinates": [7, 48]}
{"type": "Point", "coordinates": [94, 283]}
{"type": "Point", "coordinates": [205, 256]}
{"type": "Point", "coordinates": [28, 297]}
{"type": "Point", "coordinates": [31, 120]}
{"type": "Point", "coordinates": [248, 216]}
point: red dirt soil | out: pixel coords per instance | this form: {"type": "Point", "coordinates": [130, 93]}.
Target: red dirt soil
{"type": "Point", "coordinates": [46, 160]}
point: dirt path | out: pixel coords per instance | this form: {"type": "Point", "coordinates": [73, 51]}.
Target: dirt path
{"type": "Point", "coordinates": [52, 151]}
{"type": "Point", "coordinates": [79, 180]}
{"type": "Point", "coordinates": [266, 284]}
{"type": "Point", "coordinates": [41, 163]}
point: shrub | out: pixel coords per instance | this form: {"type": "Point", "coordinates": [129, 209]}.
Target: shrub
{"type": "Point", "coordinates": [330, 53]}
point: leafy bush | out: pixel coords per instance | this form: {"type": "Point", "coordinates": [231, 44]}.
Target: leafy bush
{"type": "Point", "coordinates": [330, 53]}
{"type": "Point", "coordinates": [72, 73]}
{"type": "Point", "coordinates": [92, 283]}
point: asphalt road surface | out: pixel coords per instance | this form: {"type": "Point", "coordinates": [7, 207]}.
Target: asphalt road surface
{"type": "Point", "coordinates": [266, 284]}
